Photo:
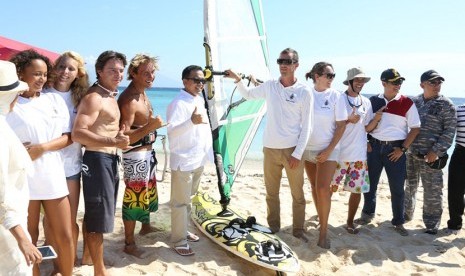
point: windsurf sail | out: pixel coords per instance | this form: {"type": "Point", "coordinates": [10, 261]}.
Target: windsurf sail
{"type": "Point", "coordinates": [234, 38]}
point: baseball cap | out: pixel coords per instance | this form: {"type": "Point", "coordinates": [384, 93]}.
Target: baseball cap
{"type": "Point", "coordinates": [430, 75]}
{"type": "Point", "coordinates": [391, 75]}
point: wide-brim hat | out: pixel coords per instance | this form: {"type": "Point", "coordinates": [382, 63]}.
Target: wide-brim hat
{"type": "Point", "coordinates": [355, 72]}
{"type": "Point", "coordinates": [9, 82]}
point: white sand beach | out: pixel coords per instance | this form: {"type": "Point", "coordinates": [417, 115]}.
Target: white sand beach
{"type": "Point", "coordinates": [376, 250]}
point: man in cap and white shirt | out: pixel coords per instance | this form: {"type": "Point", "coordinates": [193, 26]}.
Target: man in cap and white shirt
{"type": "Point", "coordinates": [392, 130]}
{"type": "Point", "coordinates": [352, 168]}
{"type": "Point", "coordinates": [438, 123]}
{"type": "Point", "coordinates": [18, 254]}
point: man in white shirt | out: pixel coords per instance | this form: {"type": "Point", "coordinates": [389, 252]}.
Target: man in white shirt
{"type": "Point", "coordinates": [18, 254]}
{"type": "Point", "coordinates": [191, 147]}
{"type": "Point", "coordinates": [289, 120]}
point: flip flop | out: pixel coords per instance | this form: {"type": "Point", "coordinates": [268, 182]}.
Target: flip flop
{"type": "Point", "coordinates": [183, 248]}
{"type": "Point", "coordinates": [191, 237]}
{"type": "Point", "coordinates": [351, 230]}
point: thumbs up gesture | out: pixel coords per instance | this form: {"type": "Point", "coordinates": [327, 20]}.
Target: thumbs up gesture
{"type": "Point", "coordinates": [197, 118]}
{"type": "Point", "coordinates": [353, 116]}
{"type": "Point", "coordinates": [121, 139]}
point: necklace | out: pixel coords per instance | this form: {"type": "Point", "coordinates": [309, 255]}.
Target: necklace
{"type": "Point", "coordinates": [352, 104]}
{"type": "Point", "coordinates": [110, 93]}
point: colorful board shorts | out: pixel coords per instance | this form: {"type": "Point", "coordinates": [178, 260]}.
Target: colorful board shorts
{"type": "Point", "coordinates": [140, 195]}
{"type": "Point", "coordinates": [353, 175]}
{"type": "Point", "coordinates": [100, 182]}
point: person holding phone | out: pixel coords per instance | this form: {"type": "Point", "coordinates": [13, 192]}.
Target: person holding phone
{"type": "Point", "coordinates": [43, 120]}
{"type": "Point", "coordinates": [15, 163]}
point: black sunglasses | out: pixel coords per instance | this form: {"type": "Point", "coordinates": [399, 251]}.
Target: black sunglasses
{"type": "Point", "coordinates": [396, 82]}
{"type": "Point", "coordinates": [329, 76]}
{"type": "Point", "coordinates": [285, 61]}
{"type": "Point", "coordinates": [197, 80]}
{"type": "Point", "coordinates": [435, 82]}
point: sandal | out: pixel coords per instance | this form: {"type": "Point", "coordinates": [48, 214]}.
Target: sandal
{"type": "Point", "coordinates": [184, 250]}
{"type": "Point", "coordinates": [351, 230]}
{"type": "Point", "coordinates": [191, 237]}
{"type": "Point", "coordinates": [401, 230]}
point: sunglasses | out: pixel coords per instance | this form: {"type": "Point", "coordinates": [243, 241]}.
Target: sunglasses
{"type": "Point", "coordinates": [197, 80]}
{"type": "Point", "coordinates": [285, 61]}
{"type": "Point", "coordinates": [329, 76]}
{"type": "Point", "coordinates": [435, 83]}
{"type": "Point", "coordinates": [396, 82]}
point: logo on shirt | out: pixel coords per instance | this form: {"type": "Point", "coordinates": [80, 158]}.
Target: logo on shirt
{"type": "Point", "coordinates": [291, 98]}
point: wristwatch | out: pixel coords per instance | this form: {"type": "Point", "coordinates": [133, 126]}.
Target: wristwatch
{"type": "Point", "coordinates": [404, 149]}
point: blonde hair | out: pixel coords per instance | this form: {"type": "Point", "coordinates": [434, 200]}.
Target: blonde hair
{"type": "Point", "coordinates": [139, 59]}
{"type": "Point", "coordinates": [80, 85]}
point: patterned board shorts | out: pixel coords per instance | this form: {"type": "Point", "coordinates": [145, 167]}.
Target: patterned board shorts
{"type": "Point", "coordinates": [353, 175]}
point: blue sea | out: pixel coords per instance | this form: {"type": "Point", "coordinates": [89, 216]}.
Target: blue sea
{"type": "Point", "coordinates": [161, 97]}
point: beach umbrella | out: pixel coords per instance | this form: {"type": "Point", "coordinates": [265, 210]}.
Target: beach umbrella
{"type": "Point", "coordinates": [9, 47]}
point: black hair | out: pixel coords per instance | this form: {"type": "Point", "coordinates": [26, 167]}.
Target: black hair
{"type": "Point", "coordinates": [106, 56]}
{"type": "Point", "coordinates": [187, 71]}
{"type": "Point", "coordinates": [24, 58]}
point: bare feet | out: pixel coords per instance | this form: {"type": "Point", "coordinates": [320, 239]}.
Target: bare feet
{"type": "Point", "coordinates": [147, 229]}
{"type": "Point", "coordinates": [133, 250]}
{"type": "Point", "coordinates": [300, 235]}
{"type": "Point", "coordinates": [326, 244]}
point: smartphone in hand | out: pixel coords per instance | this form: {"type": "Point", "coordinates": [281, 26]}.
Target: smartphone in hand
{"type": "Point", "coordinates": [47, 252]}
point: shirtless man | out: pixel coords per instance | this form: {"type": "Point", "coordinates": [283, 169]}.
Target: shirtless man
{"type": "Point", "coordinates": [139, 162]}
{"type": "Point", "coordinates": [97, 128]}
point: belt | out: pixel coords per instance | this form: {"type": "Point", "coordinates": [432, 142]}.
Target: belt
{"type": "Point", "coordinates": [394, 143]}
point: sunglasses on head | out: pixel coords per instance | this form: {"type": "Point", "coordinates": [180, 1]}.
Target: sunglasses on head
{"type": "Point", "coordinates": [435, 82]}
{"type": "Point", "coordinates": [197, 80]}
{"type": "Point", "coordinates": [396, 82]}
{"type": "Point", "coordinates": [329, 76]}
{"type": "Point", "coordinates": [285, 61]}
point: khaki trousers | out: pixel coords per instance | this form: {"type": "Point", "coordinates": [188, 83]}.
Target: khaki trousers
{"type": "Point", "coordinates": [184, 185]}
{"type": "Point", "coordinates": [275, 160]}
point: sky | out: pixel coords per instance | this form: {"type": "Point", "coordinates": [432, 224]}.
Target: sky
{"type": "Point", "coordinates": [411, 36]}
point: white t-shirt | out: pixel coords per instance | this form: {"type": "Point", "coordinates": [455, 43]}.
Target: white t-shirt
{"type": "Point", "coordinates": [329, 107]}
{"type": "Point", "coordinates": [190, 145]}
{"type": "Point", "coordinates": [353, 144]}
{"type": "Point", "coordinates": [289, 114]}
{"type": "Point", "coordinates": [72, 154]}
{"type": "Point", "coordinates": [37, 121]}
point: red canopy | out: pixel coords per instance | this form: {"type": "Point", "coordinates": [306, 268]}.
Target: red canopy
{"type": "Point", "coordinates": [9, 47]}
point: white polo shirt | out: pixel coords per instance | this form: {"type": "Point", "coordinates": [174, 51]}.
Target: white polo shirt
{"type": "Point", "coordinates": [398, 117]}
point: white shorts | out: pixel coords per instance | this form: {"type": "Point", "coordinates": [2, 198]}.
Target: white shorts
{"type": "Point", "coordinates": [310, 155]}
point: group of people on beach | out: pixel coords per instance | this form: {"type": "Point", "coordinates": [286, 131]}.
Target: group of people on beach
{"type": "Point", "coordinates": [50, 114]}
{"type": "Point", "coordinates": [59, 131]}
{"type": "Point", "coordinates": [345, 139]}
